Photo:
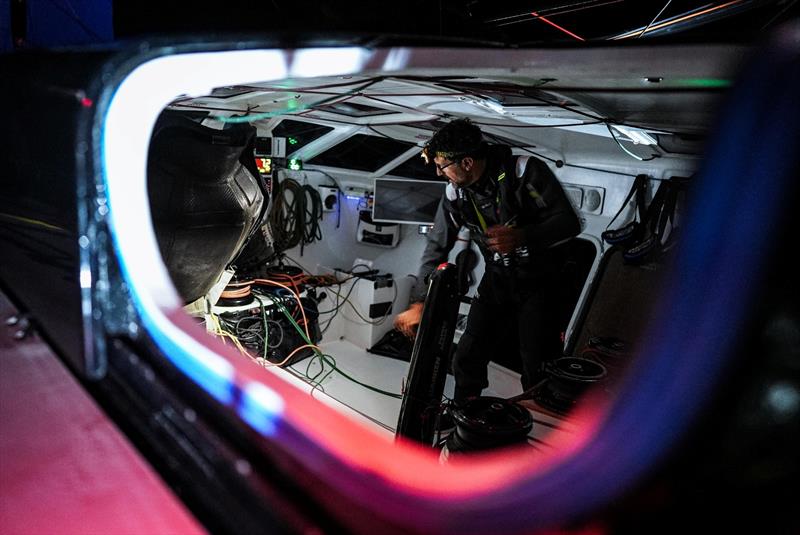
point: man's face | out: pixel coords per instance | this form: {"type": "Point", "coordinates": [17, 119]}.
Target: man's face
{"type": "Point", "coordinates": [457, 172]}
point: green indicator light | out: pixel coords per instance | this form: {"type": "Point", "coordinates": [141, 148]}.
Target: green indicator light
{"type": "Point", "coordinates": [704, 82]}
{"type": "Point", "coordinates": [295, 165]}
{"type": "Point", "coordinates": [292, 141]}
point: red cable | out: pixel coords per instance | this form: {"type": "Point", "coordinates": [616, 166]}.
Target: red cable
{"type": "Point", "coordinates": [554, 25]}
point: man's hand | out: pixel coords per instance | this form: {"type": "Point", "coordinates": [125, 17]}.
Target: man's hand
{"type": "Point", "coordinates": [407, 322]}
{"type": "Point", "coordinates": [504, 239]}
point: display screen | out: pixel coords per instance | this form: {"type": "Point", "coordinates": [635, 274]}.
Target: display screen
{"type": "Point", "coordinates": [263, 146]}
{"type": "Point", "coordinates": [406, 201]}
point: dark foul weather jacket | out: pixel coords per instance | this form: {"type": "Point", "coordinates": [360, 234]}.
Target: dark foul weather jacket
{"type": "Point", "coordinates": [513, 190]}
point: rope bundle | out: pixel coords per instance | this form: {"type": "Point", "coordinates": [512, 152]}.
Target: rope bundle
{"type": "Point", "coordinates": [295, 215]}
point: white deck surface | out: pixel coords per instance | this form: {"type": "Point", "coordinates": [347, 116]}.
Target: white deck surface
{"type": "Point", "coordinates": [381, 411]}
{"type": "Point", "coordinates": [379, 372]}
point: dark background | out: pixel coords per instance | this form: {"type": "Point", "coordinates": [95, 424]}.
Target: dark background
{"type": "Point", "coordinates": [51, 23]}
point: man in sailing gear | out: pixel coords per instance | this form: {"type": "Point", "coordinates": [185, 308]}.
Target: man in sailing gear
{"type": "Point", "coordinates": [516, 211]}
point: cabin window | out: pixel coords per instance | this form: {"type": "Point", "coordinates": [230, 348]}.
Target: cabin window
{"type": "Point", "coordinates": [362, 152]}
{"type": "Point", "coordinates": [415, 167]}
{"type": "Point", "coordinates": [298, 134]}
{"type": "Point", "coordinates": [511, 97]}
{"type": "Point", "coordinates": [352, 109]}
{"type": "Point", "coordinates": [432, 125]}
{"type": "Point", "coordinates": [230, 92]}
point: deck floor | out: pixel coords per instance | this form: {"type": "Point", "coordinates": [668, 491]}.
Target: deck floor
{"type": "Point", "coordinates": [387, 374]}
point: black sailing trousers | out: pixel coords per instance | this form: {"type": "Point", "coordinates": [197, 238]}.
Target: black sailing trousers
{"type": "Point", "coordinates": [512, 311]}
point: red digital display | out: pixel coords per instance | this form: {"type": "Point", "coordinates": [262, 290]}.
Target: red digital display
{"type": "Point", "coordinates": [264, 165]}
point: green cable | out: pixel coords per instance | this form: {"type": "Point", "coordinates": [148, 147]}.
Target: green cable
{"type": "Point", "coordinates": [369, 387]}
{"type": "Point", "coordinates": [333, 363]}
{"type": "Point", "coordinates": [321, 369]}
{"type": "Point", "coordinates": [296, 326]}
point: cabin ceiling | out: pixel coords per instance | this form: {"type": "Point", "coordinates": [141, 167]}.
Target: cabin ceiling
{"type": "Point", "coordinates": [659, 89]}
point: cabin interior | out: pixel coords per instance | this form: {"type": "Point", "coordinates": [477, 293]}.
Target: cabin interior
{"type": "Point", "coordinates": [292, 213]}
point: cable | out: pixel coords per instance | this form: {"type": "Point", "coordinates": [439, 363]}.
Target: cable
{"type": "Point", "coordinates": [365, 385]}
{"type": "Point", "coordinates": [654, 19]}
{"type": "Point", "coordinates": [474, 93]}
{"type": "Point", "coordinates": [552, 11]}
{"type": "Point", "coordinates": [236, 290]}
{"type": "Point", "coordinates": [312, 215]}
{"type": "Point", "coordinates": [337, 307]}
{"type": "Point", "coordinates": [629, 153]}
{"type": "Point", "coordinates": [382, 319]}
{"type": "Point", "coordinates": [780, 13]}
{"type": "Point", "coordinates": [687, 17]}
{"type": "Point", "coordinates": [307, 337]}
{"type": "Point", "coordinates": [250, 336]}
{"type": "Point", "coordinates": [294, 294]}
{"type": "Point", "coordinates": [285, 215]}
{"type": "Point", "coordinates": [295, 215]}
{"type": "Point", "coordinates": [562, 163]}
{"type": "Point", "coordinates": [318, 385]}
{"type": "Point", "coordinates": [513, 90]}
{"type": "Point", "coordinates": [216, 329]}
{"type": "Point", "coordinates": [562, 125]}
{"type": "Point", "coordinates": [338, 197]}
{"type": "Point", "coordinates": [288, 275]}
{"type": "Point", "coordinates": [352, 269]}
{"type": "Point", "coordinates": [323, 356]}
{"type": "Point", "coordinates": [561, 28]}
{"type": "Point", "coordinates": [313, 378]}
{"type": "Point", "coordinates": [266, 115]}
